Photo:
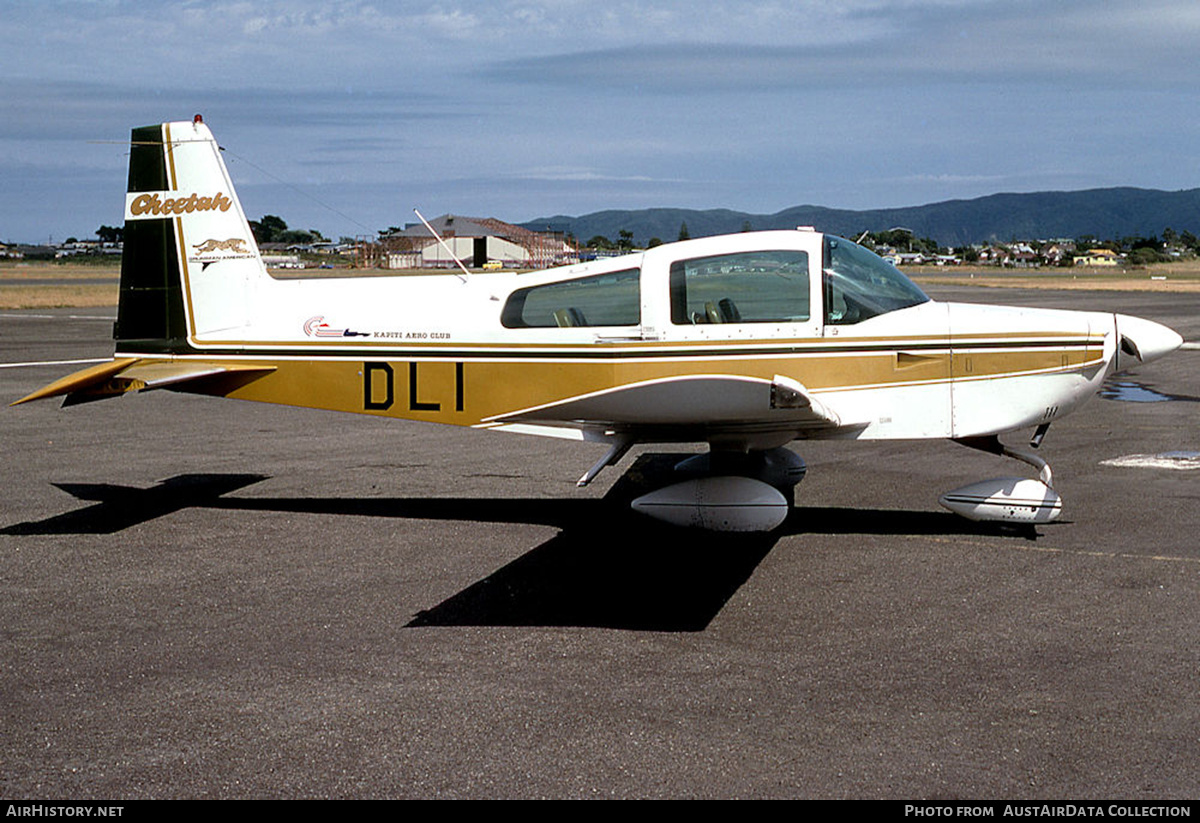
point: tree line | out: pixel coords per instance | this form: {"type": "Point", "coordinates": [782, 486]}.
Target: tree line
{"type": "Point", "coordinates": [1168, 245]}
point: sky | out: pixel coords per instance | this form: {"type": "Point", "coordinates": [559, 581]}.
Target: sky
{"type": "Point", "coordinates": [344, 116]}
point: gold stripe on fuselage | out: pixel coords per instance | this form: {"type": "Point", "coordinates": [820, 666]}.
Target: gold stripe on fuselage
{"type": "Point", "coordinates": [169, 147]}
{"type": "Point", "coordinates": [632, 346]}
{"type": "Point", "coordinates": [181, 246]}
{"type": "Point", "coordinates": [467, 385]}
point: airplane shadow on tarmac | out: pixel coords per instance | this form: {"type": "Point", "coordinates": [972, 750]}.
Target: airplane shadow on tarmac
{"type": "Point", "coordinates": [608, 567]}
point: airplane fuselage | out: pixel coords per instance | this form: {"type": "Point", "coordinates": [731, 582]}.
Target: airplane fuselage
{"type": "Point", "coordinates": [446, 349]}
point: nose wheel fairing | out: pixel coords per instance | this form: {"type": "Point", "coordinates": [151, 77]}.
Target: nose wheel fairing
{"type": "Point", "coordinates": [1007, 499]}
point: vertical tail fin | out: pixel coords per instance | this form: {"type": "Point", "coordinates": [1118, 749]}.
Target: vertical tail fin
{"type": "Point", "coordinates": [190, 263]}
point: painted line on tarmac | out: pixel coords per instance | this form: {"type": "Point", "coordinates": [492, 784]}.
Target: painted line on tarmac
{"type": "Point", "coordinates": [56, 317]}
{"type": "Point", "coordinates": [1026, 547]}
{"type": "Point", "coordinates": [54, 363]}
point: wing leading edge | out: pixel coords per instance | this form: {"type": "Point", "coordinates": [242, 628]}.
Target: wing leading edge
{"type": "Point", "coordinates": [686, 404]}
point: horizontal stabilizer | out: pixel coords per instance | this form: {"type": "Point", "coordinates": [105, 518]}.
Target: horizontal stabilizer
{"type": "Point", "coordinates": [79, 381]}
{"type": "Point", "coordinates": [133, 374]}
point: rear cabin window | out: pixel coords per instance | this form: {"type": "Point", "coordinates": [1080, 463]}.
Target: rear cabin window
{"type": "Point", "coordinates": [747, 287]}
{"type": "Point", "coordinates": [612, 299]}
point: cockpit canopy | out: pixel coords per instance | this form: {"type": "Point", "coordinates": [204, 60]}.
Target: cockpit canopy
{"type": "Point", "coordinates": [859, 284]}
{"type": "Point", "coordinates": [767, 284]}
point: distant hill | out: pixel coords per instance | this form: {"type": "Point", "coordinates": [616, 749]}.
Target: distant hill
{"type": "Point", "coordinates": [1105, 213]}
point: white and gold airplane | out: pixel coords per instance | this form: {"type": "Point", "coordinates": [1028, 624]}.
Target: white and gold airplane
{"type": "Point", "coordinates": [745, 342]}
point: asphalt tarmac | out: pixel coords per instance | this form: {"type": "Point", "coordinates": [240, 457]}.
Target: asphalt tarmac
{"type": "Point", "coordinates": [202, 598]}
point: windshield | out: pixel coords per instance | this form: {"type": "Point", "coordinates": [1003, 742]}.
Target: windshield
{"type": "Point", "coordinates": [859, 284]}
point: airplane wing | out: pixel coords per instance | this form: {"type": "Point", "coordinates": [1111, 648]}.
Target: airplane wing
{"type": "Point", "coordinates": [729, 408]}
{"type": "Point", "coordinates": [682, 404]}
{"type": "Point", "coordinates": [133, 374]}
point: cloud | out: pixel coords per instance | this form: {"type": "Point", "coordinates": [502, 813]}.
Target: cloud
{"type": "Point", "coordinates": [705, 45]}
{"type": "Point", "coordinates": [568, 174]}
{"type": "Point", "coordinates": [890, 44]}
{"type": "Point", "coordinates": [554, 105]}
{"type": "Point", "coordinates": [72, 110]}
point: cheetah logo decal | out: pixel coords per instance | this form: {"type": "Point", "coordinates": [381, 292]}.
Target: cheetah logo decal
{"type": "Point", "coordinates": [232, 249]}
{"type": "Point", "coordinates": [234, 244]}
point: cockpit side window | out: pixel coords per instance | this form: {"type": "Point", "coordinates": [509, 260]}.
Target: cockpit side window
{"type": "Point", "coordinates": [859, 284]}
{"type": "Point", "coordinates": [612, 299]}
{"type": "Point", "coordinates": [747, 287]}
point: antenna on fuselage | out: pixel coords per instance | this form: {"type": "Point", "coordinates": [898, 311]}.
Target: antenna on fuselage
{"type": "Point", "coordinates": [438, 238]}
